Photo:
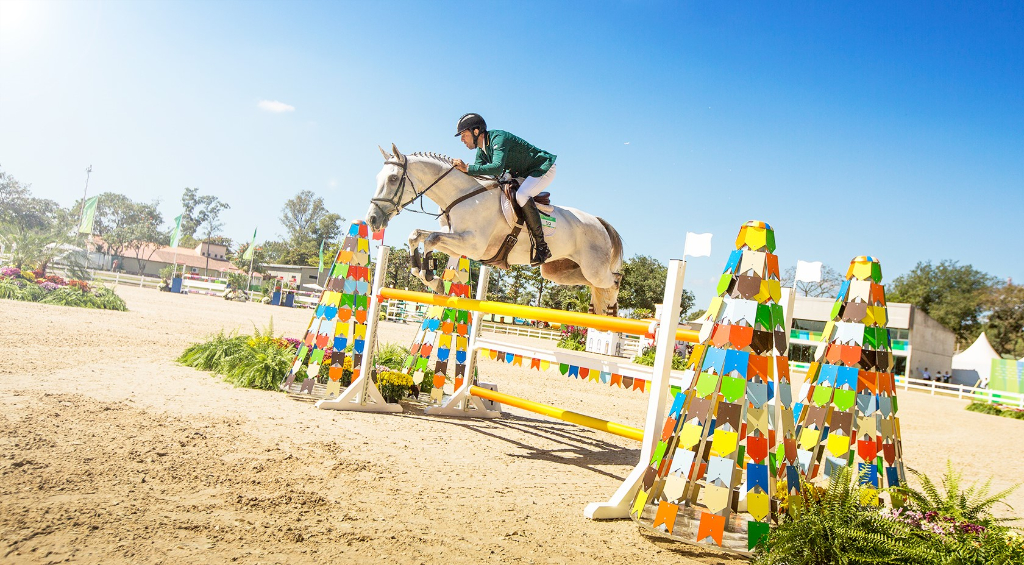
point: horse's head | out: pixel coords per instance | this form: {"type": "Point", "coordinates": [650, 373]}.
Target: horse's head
{"type": "Point", "coordinates": [392, 191]}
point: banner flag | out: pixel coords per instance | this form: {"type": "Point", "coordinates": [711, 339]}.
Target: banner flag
{"type": "Point", "coordinates": [321, 256]}
{"type": "Point", "coordinates": [252, 247]}
{"type": "Point", "coordinates": [88, 215]}
{"type": "Point", "coordinates": [697, 245]}
{"type": "Point", "coordinates": [808, 271]}
{"type": "Point", "coordinates": [176, 234]}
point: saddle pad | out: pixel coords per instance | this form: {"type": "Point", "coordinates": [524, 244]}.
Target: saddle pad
{"type": "Point", "coordinates": [546, 218]}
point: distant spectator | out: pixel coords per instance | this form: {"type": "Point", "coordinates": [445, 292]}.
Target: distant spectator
{"type": "Point", "coordinates": [926, 375]}
{"type": "Point", "coordinates": [946, 377]}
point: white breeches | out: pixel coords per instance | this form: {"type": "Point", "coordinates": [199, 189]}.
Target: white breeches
{"type": "Point", "coordinates": [532, 186]}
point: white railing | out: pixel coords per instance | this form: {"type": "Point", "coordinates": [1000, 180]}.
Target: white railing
{"type": "Point", "coordinates": [962, 391]}
{"type": "Point", "coordinates": [525, 331]}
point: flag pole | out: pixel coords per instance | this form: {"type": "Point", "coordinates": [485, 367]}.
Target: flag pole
{"type": "Point", "coordinates": [81, 215]}
{"type": "Point", "coordinates": [252, 260]}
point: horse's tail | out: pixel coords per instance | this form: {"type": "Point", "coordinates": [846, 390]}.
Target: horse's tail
{"type": "Point", "coordinates": [616, 244]}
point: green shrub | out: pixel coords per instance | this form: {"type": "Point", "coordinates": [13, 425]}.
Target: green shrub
{"type": "Point", "coordinates": [825, 526]}
{"type": "Point", "coordinates": [393, 385]}
{"type": "Point", "coordinates": [9, 290]}
{"type": "Point", "coordinates": [260, 361]}
{"type": "Point", "coordinates": [262, 364]}
{"type": "Point", "coordinates": [647, 358]}
{"type": "Point", "coordinates": [427, 382]}
{"type": "Point", "coordinates": [391, 355]}
{"type": "Point", "coordinates": [209, 355]}
{"type": "Point", "coordinates": [995, 410]}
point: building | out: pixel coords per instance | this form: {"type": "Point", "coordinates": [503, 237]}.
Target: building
{"type": "Point", "coordinates": [918, 341]}
{"type": "Point", "coordinates": [206, 259]}
{"type": "Point", "coordinates": [299, 276]}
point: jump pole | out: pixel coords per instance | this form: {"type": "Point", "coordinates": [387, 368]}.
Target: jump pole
{"type": "Point", "coordinates": [558, 413]}
{"type": "Point", "coordinates": [595, 321]}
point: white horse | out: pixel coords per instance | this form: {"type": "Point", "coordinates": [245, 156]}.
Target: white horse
{"type": "Point", "coordinates": [585, 249]}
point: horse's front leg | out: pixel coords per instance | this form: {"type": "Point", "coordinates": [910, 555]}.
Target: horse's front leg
{"type": "Point", "coordinates": [456, 244]}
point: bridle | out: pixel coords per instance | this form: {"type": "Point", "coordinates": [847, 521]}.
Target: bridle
{"type": "Point", "coordinates": [396, 199]}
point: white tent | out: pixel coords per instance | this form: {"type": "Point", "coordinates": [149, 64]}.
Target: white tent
{"type": "Point", "coordinates": [976, 359]}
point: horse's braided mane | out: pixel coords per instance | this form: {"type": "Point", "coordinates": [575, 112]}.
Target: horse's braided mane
{"type": "Point", "coordinates": [435, 156]}
{"type": "Point", "coordinates": [487, 181]}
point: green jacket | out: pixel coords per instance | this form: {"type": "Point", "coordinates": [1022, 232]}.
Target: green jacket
{"type": "Point", "coordinates": [506, 152]}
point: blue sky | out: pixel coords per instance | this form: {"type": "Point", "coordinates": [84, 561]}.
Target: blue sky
{"type": "Point", "coordinates": [861, 128]}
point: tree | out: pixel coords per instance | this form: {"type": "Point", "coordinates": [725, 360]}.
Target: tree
{"type": "Point", "coordinates": [197, 212]}
{"type": "Point", "coordinates": [125, 225]}
{"type": "Point", "coordinates": [572, 298]}
{"type": "Point", "coordinates": [516, 280]}
{"type": "Point", "coordinates": [538, 283]}
{"type": "Point", "coordinates": [1004, 327]}
{"type": "Point", "coordinates": [201, 214]}
{"type": "Point", "coordinates": [259, 259]}
{"type": "Point", "coordinates": [308, 223]}
{"type": "Point", "coordinates": [948, 292]}
{"type": "Point", "coordinates": [37, 228]}
{"type": "Point", "coordinates": [643, 285]}
{"type": "Point", "coordinates": [827, 287]}
{"type": "Point", "coordinates": [144, 235]}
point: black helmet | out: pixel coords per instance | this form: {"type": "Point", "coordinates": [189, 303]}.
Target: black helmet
{"type": "Point", "coordinates": [470, 121]}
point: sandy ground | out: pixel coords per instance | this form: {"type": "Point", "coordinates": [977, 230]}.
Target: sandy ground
{"type": "Point", "coordinates": [112, 453]}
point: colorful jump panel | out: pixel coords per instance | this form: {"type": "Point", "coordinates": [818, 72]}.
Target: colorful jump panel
{"type": "Point", "coordinates": [712, 477]}
{"type": "Point", "coordinates": [338, 326]}
{"type": "Point", "coordinates": [444, 333]}
{"type": "Point", "coordinates": [847, 409]}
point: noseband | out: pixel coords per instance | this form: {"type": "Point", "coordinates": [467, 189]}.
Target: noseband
{"type": "Point", "coordinates": [396, 200]}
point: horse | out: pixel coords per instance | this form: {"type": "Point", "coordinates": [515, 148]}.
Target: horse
{"type": "Point", "coordinates": [585, 249]}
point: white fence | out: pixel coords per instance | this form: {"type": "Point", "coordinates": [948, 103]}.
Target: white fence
{"type": "Point", "coordinates": [962, 391]}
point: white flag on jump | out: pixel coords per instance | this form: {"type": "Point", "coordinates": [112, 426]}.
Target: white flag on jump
{"type": "Point", "coordinates": [808, 271]}
{"type": "Point", "coordinates": [697, 245]}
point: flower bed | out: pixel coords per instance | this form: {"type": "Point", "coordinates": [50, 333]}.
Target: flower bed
{"type": "Point", "coordinates": [30, 286]}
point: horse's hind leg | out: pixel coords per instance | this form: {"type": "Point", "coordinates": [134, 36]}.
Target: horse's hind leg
{"type": "Point", "coordinates": [604, 300]}
{"type": "Point", "coordinates": [604, 289]}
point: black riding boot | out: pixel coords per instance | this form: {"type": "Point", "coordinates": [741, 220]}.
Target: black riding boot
{"type": "Point", "coordinates": [540, 248]}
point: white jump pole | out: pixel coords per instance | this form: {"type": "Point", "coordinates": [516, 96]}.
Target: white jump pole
{"type": "Point", "coordinates": [618, 506]}
{"type": "Point", "coordinates": [462, 403]}
{"type": "Point", "coordinates": [362, 395]}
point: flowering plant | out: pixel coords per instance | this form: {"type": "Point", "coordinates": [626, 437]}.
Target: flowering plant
{"type": "Point", "coordinates": [49, 286]}
{"type": "Point", "coordinates": [80, 285]}
{"type": "Point", "coordinates": [10, 272]}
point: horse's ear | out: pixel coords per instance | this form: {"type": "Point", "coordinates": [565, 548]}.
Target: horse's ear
{"type": "Point", "coordinates": [398, 154]}
{"type": "Point", "coordinates": [384, 153]}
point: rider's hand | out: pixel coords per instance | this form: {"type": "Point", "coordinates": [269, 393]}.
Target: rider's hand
{"type": "Point", "coordinates": [460, 165]}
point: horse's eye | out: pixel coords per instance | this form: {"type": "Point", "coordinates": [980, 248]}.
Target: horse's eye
{"type": "Point", "coordinates": [392, 178]}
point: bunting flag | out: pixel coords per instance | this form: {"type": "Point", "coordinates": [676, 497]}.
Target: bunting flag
{"type": "Point", "coordinates": [442, 332]}
{"type": "Point", "coordinates": [721, 442]}
{"type": "Point", "coordinates": [88, 215]}
{"type": "Point", "coordinates": [569, 370]}
{"type": "Point", "coordinates": [847, 409]}
{"type": "Point", "coordinates": [338, 327]}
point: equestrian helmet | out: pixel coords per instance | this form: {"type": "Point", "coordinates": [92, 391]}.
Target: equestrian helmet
{"type": "Point", "coordinates": [470, 121]}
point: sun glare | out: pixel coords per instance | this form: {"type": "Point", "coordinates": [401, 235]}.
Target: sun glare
{"type": "Point", "coordinates": [19, 19]}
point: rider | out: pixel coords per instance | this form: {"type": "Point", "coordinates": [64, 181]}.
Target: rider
{"type": "Point", "coordinates": [499, 152]}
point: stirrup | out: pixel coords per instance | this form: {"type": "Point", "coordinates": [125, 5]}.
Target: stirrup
{"type": "Point", "coordinates": [537, 258]}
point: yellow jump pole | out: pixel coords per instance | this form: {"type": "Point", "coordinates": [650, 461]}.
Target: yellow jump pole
{"type": "Point", "coordinates": [600, 323]}
{"type": "Point", "coordinates": [559, 414]}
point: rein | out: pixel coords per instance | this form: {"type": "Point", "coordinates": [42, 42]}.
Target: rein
{"type": "Point", "coordinates": [396, 200]}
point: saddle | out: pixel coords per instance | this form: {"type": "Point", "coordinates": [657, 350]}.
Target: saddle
{"type": "Point", "coordinates": [513, 214]}
{"type": "Point", "coordinates": [510, 210]}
